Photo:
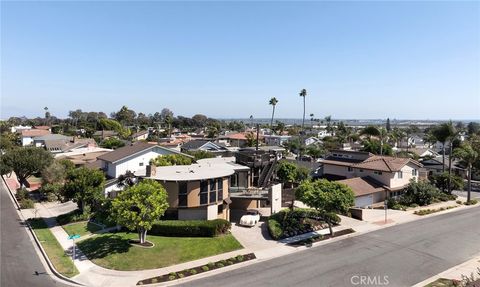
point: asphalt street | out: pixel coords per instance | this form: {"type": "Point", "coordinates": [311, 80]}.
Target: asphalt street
{"type": "Point", "coordinates": [401, 255]}
{"type": "Point", "coordinates": [19, 261]}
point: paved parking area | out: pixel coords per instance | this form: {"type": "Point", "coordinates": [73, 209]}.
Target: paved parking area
{"type": "Point", "coordinates": [254, 238]}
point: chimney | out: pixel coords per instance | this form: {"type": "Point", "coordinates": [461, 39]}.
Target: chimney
{"type": "Point", "coordinates": [151, 170]}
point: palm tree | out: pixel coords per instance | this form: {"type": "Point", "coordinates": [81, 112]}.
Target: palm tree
{"type": "Point", "coordinates": [468, 156]}
{"type": "Point", "coordinates": [303, 94]}
{"type": "Point", "coordinates": [273, 102]}
{"type": "Point", "coordinates": [443, 133]}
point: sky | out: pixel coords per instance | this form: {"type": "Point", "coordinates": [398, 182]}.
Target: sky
{"type": "Point", "coordinates": [226, 59]}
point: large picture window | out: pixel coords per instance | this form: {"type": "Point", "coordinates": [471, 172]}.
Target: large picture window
{"type": "Point", "coordinates": [203, 192]}
{"type": "Point", "coordinates": [220, 189]}
{"type": "Point", "coordinates": [213, 191]}
{"type": "Point", "coordinates": [182, 194]}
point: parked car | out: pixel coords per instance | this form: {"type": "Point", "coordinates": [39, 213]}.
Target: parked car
{"type": "Point", "coordinates": [251, 218]}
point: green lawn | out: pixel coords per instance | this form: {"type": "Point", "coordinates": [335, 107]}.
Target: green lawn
{"type": "Point", "coordinates": [112, 250]}
{"type": "Point", "coordinates": [81, 228]}
{"type": "Point", "coordinates": [62, 262]}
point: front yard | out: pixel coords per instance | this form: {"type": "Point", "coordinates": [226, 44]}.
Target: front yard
{"type": "Point", "coordinates": [113, 250]}
{"type": "Point", "coordinates": [81, 228]}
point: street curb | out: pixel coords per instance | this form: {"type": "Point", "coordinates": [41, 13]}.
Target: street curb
{"type": "Point", "coordinates": [38, 244]}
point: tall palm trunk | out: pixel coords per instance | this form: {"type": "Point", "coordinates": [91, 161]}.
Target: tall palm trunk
{"type": "Point", "coordinates": [469, 182]}
{"type": "Point", "coordinates": [303, 120]}
{"type": "Point", "coordinates": [450, 168]}
{"type": "Point", "coordinates": [271, 121]}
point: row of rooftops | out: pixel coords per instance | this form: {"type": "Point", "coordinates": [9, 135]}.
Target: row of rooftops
{"type": "Point", "coordinates": [366, 160]}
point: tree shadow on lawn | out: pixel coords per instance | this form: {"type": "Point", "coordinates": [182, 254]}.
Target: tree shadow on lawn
{"type": "Point", "coordinates": [102, 246]}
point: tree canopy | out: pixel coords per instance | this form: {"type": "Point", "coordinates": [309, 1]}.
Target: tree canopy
{"type": "Point", "coordinates": [326, 196]}
{"type": "Point", "coordinates": [139, 206]}
{"type": "Point", "coordinates": [25, 162]}
{"type": "Point", "coordinates": [85, 186]}
{"type": "Point", "coordinates": [171, 159]}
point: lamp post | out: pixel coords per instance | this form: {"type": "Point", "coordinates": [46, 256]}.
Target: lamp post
{"type": "Point", "coordinates": [385, 206]}
{"type": "Point", "coordinates": [73, 237]}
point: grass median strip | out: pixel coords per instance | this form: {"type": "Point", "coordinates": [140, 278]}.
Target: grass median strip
{"type": "Point", "coordinates": [113, 250]}
{"type": "Point", "coordinates": [62, 262]}
{"type": "Point", "coordinates": [81, 228]}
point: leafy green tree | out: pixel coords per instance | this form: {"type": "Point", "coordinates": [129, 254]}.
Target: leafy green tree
{"type": "Point", "coordinates": [139, 206]}
{"type": "Point", "coordinates": [171, 159]}
{"type": "Point", "coordinates": [251, 139]}
{"type": "Point", "coordinates": [420, 192]}
{"type": "Point", "coordinates": [315, 151]}
{"type": "Point", "coordinates": [375, 147]}
{"type": "Point", "coordinates": [442, 180]}
{"type": "Point", "coordinates": [112, 143]}
{"type": "Point", "coordinates": [25, 162]}
{"type": "Point", "coordinates": [273, 102]}
{"type": "Point", "coordinates": [85, 186]}
{"type": "Point", "coordinates": [326, 196]}
{"type": "Point", "coordinates": [286, 172]}
{"type": "Point", "coordinates": [469, 156]}
{"type": "Point", "coordinates": [303, 173]}
{"type": "Point", "coordinates": [201, 154]}
{"type": "Point", "coordinates": [54, 173]}
{"type": "Point", "coordinates": [125, 116]}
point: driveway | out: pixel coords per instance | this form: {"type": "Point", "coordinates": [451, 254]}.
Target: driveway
{"type": "Point", "coordinates": [252, 238]}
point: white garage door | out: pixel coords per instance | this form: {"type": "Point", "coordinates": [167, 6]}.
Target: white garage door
{"type": "Point", "coordinates": [363, 201]}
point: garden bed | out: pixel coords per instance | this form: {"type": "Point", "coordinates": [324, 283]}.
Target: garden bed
{"type": "Point", "coordinates": [196, 270]}
{"type": "Point", "coordinates": [430, 211]}
{"type": "Point", "coordinates": [316, 238]}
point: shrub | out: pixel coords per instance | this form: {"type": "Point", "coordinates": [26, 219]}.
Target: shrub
{"type": "Point", "coordinates": [171, 277]}
{"type": "Point", "coordinates": [192, 271]}
{"type": "Point", "coordinates": [471, 202]}
{"type": "Point", "coordinates": [205, 268]}
{"type": "Point", "coordinates": [220, 265]}
{"type": "Point", "coordinates": [229, 262]}
{"type": "Point", "coordinates": [73, 216]}
{"type": "Point", "coordinates": [458, 202]}
{"type": "Point", "coordinates": [180, 275]}
{"type": "Point", "coordinates": [22, 193]}
{"type": "Point", "coordinates": [52, 191]}
{"type": "Point", "coordinates": [239, 258]}
{"type": "Point", "coordinates": [275, 229]}
{"type": "Point", "coordinates": [211, 264]}
{"type": "Point", "coordinates": [26, 203]}
{"type": "Point", "coordinates": [191, 228]}
{"type": "Point", "coordinates": [154, 280]}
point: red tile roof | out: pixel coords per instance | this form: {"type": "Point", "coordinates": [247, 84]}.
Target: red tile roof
{"type": "Point", "coordinates": [34, 133]}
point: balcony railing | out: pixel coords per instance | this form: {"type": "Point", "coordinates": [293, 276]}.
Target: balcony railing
{"type": "Point", "coordinates": [248, 192]}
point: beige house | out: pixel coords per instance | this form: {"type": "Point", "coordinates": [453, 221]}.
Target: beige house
{"type": "Point", "coordinates": [372, 178]}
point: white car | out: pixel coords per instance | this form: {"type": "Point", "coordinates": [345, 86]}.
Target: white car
{"type": "Point", "coordinates": [251, 218]}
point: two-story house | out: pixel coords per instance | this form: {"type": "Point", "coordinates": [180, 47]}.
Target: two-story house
{"type": "Point", "coordinates": [373, 178]}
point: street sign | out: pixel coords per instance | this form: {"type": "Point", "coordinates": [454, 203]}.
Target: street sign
{"type": "Point", "coordinates": [74, 236]}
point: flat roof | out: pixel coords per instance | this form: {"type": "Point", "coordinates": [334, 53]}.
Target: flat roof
{"type": "Point", "coordinates": [192, 172]}
{"type": "Point", "coordinates": [223, 162]}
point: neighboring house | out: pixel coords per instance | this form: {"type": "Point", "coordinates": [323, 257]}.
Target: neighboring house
{"type": "Point", "coordinates": [424, 152]}
{"type": "Point", "coordinates": [276, 140]}
{"type": "Point", "coordinates": [56, 143]}
{"type": "Point", "coordinates": [204, 145]}
{"type": "Point", "coordinates": [132, 158]}
{"type": "Point", "coordinates": [19, 129]}
{"type": "Point", "coordinates": [83, 156]}
{"type": "Point", "coordinates": [141, 135]}
{"type": "Point", "coordinates": [434, 166]}
{"type": "Point", "coordinates": [372, 178]}
{"type": "Point", "coordinates": [312, 140]}
{"type": "Point", "coordinates": [236, 139]}
{"type": "Point", "coordinates": [102, 135]}
{"type": "Point", "coordinates": [323, 133]}
{"type": "Point", "coordinates": [27, 136]}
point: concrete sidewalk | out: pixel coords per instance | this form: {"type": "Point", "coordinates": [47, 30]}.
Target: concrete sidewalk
{"type": "Point", "coordinates": [456, 272]}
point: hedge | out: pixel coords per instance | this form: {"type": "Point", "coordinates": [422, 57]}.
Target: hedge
{"type": "Point", "coordinates": [275, 229]}
{"type": "Point", "coordinates": [190, 228]}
